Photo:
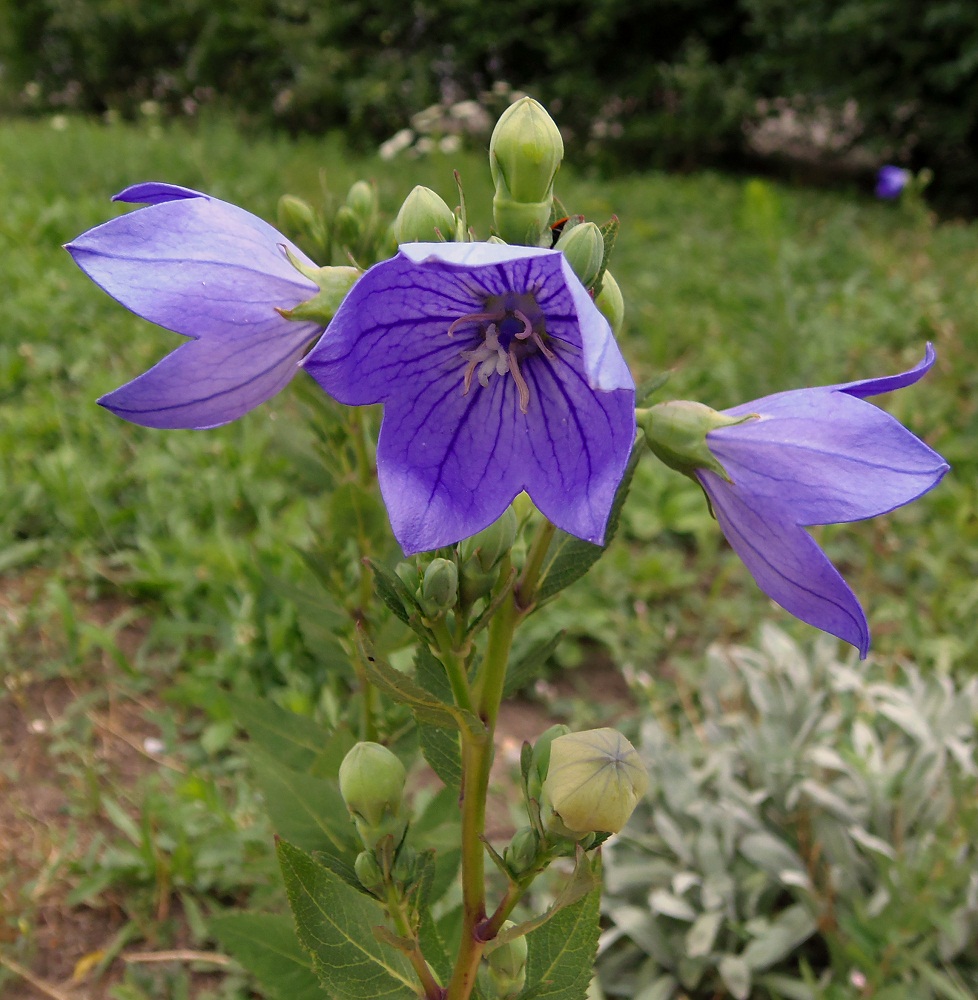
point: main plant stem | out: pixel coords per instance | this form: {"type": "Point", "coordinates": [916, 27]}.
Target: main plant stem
{"type": "Point", "coordinates": [477, 751]}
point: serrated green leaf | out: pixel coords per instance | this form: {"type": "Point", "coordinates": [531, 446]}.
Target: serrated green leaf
{"type": "Point", "coordinates": [561, 956]}
{"type": "Point", "coordinates": [267, 946]}
{"type": "Point", "coordinates": [396, 596]}
{"type": "Point", "coordinates": [335, 923]}
{"type": "Point", "coordinates": [569, 558]}
{"type": "Point", "coordinates": [440, 748]}
{"type": "Point", "coordinates": [307, 810]}
{"type": "Point", "coordinates": [528, 667]}
{"type": "Point", "coordinates": [296, 741]}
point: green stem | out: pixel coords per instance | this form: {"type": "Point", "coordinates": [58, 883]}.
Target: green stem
{"type": "Point", "coordinates": [432, 990]}
{"type": "Point", "coordinates": [527, 584]}
{"type": "Point", "coordinates": [476, 763]}
{"type": "Point", "coordinates": [454, 664]}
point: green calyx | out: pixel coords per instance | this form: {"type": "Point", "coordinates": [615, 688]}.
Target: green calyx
{"type": "Point", "coordinates": [333, 282]}
{"type": "Point", "coordinates": [507, 965]}
{"type": "Point", "coordinates": [676, 432]}
{"type": "Point", "coordinates": [439, 587]}
{"type": "Point", "coordinates": [583, 246]}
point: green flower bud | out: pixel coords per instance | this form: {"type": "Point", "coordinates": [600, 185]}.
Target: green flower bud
{"type": "Point", "coordinates": [525, 151]}
{"type": "Point", "coordinates": [372, 783]}
{"type": "Point", "coordinates": [594, 781]}
{"type": "Point", "coordinates": [676, 432]}
{"type": "Point", "coordinates": [362, 200]}
{"type": "Point", "coordinates": [368, 871]}
{"type": "Point", "coordinates": [507, 965]}
{"type": "Point", "coordinates": [492, 543]}
{"type": "Point", "coordinates": [295, 216]}
{"type": "Point", "coordinates": [583, 246]}
{"type": "Point", "coordinates": [609, 300]}
{"type": "Point", "coordinates": [439, 588]}
{"type": "Point", "coordinates": [540, 759]}
{"type": "Point", "coordinates": [423, 216]}
{"type": "Point", "coordinates": [347, 226]}
{"type": "Point", "coordinates": [521, 853]}
{"type": "Point", "coordinates": [334, 283]}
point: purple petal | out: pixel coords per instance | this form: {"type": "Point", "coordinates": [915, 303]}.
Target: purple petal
{"type": "Point", "coordinates": [210, 271]}
{"type": "Point", "coordinates": [212, 381]}
{"type": "Point", "coordinates": [787, 564]}
{"type": "Point", "coordinates": [887, 383]}
{"type": "Point", "coordinates": [825, 457]}
{"type": "Point", "coordinates": [154, 192]}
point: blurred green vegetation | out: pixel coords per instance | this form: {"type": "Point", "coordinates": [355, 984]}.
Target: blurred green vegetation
{"type": "Point", "coordinates": [665, 83]}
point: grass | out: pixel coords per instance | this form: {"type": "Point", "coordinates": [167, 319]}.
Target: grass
{"type": "Point", "coordinates": [145, 573]}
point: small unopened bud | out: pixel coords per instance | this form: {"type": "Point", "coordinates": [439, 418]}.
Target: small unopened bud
{"type": "Point", "coordinates": [492, 543]}
{"type": "Point", "coordinates": [372, 784]}
{"type": "Point", "coordinates": [368, 871]}
{"type": "Point", "coordinates": [583, 246]}
{"type": "Point", "coordinates": [594, 781]}
{"type": "Point", "coordinates": [521, 852]}
{"type": "Point", "coordinates": [676, 432]}
{"type": "Point", "coordinates": [439, 588]}
{"type": "Point", "coordinates": [423, 217]}
{"type": "Point", "coordinates": [295, 216]}
{"type": "Point", "coordinates": [362, 200]}
{"type": "Point", "coordinates": [347, 226]}
{"type": "Point", "coordinates": [405, 866]}
{"type": "Point", "coordinates": [540, 759]}
{"type": "Point", "coordinates": [507, 965]}
{"type": "Point", "coordinates": [611, 303]}
{"type": "Point", "coordinates": [525, 151]}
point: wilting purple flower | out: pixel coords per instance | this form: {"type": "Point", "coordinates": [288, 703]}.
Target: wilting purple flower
{"type": "Point", "coordinates": [210, 271]}
{"type": "Point", "coordinates": [890, 181]}
{"type": "Point", "coordinates": [498, 374]}
{"type": "Point", "coordinates": [814, 456]}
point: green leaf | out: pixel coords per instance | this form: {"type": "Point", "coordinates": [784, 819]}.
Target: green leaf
{"type": "Point", "coordinates": [336, 924]}
{"type": "Point", "coordinates": [735, 973]}
{"type": "Point", "coordinates": [354, 513]}
{"type": "Point", "coordinates": [296, 741]}
{"type": "Point", "coordinates": [440, 747]}
{"type": "Point", "coordinates": [529, 666]}
{"type": "Point", "coordinates": [305, 809]}
{"type": "Point", "coordinates": [561, 956]}
{"type": "Point", "coordinates": [787, 931]}
{"type": "Point", "coordinates": [568, 558]}
{"type": "Point", "coordinates": [392, 590]}
{"type": "Point", "coordinates": [267, 946]}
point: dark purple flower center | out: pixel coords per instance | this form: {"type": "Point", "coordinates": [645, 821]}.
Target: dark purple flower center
{"type": "Point", "coordinates": [509, 329]}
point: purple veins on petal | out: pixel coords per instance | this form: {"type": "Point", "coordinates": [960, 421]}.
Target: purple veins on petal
{"type": "Point", "coordinates": [215, 273]}
{"type": "Point", "coordinates": [498, 375]}
{"type": "Point", "coordinates": [815, 456]}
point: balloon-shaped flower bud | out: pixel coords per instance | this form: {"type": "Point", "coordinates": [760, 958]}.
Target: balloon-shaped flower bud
{"type": "Point", "coordinates": [524, 153]}
{"type": "Point", "coordinates": [368, 871]}
{"type": "Point", "coordinates": [439, 587]}
{"type": "Point", "coordinates": [295, 216]}
{"type": "Point", "coordinates": [489, 546]}
{"type": "Point", "coordinates": [348, 227]}
{"type": "Point", "coordinates": [611, 303]}
{"type": "Point", "coordinates": [424, 218]}
{"type": "Point", "coordinates": [676, 432]}
{"type": "Point", "coordinates": [594, 782]}
{"type": "Point", "coordinates": [521, 853]}
{"type": "Point", "coordinates": [372, 785]}
{"type": "Point", "coordinates": [583, 246]}
{"type": "Point", "coordinates": [362, 201]}
{"type": "Point", "coordinates": [507, 965]}
{"type": "Point", "coordinates": [540, 759]}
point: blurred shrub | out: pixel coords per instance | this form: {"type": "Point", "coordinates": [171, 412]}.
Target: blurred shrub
{"type": "Point", "coordinates": [811, 833]}
{"type": "Point", "coordinates": [666, 83]}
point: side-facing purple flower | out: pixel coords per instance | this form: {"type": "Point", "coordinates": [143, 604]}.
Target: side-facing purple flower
{"type": "Point", "coordinates": [807, 457]}
{"type": "Point", "coordinates": [890, 182]}
{"type": "Point", "coordinates": [210, 271]}
{"type": "Point", "coordinates": [498, 374]}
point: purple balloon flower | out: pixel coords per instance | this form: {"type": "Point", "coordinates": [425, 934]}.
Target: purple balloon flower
{"type": "Point", "coordinates": [890, 182]}
{"type": "Point", "coordinates": [498, 374]}
{"type": "Point", "coordinates": [210, 271]}
{"type": "Point", "coordinates": [814, 456]}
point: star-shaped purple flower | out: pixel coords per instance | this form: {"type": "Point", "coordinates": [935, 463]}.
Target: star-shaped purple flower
{"type": "Point", "coordinates": [210, 271]}
{"type": "Point", "coordinates": [890, 182]}
{"type": "Point", "coordinates": [814, 456]}
{"type": "Point", "coordinates": [498, 374]}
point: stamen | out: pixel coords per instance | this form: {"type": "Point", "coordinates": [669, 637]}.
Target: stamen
{"type": "Point", "coordinates": [542, 347]}
{"type": "Point", "coordinates": [522, 387]}
{"type": "Point", "coordinates": [527, 330]}
{"type": "Point", "coordinates": [475, 318]}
